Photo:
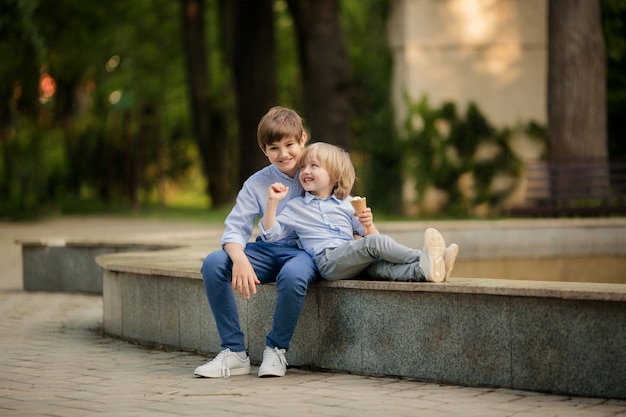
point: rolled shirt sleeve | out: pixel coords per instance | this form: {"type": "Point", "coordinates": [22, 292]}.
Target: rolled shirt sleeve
{"type": "Point", "coordinates": [250, 204]}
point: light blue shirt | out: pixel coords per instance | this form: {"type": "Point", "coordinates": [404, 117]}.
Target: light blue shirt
{"type": "Point", "coordinates": [251, 202]}
{"type": "Point", "coordinates": [319, 223]}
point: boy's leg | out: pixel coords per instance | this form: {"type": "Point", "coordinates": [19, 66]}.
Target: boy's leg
{"type": "Point", "coordinates": [352, 258]}
{"type": "Point", "coordinates": [292, 270]}
{"type": "Point", "coordinates": [297, 272]}
{"type": "Point", "coordinates": [216, 275]}
{"type": "Point", "coordinates": [388, 271]}
{"type": "Point", "coordinates": [431, 265]}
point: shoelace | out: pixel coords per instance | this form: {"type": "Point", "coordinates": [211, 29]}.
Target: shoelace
{"type": "Point", "coordinates": [278, 354]}
{"type": "Point", "coordinates": [223, 356]}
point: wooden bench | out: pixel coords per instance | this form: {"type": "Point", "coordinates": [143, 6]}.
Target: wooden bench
{"type": "Point", "coordinates": [579, 188]}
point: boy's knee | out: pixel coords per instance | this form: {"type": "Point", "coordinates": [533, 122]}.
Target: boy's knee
{"type": "Point", "coordinates": [298, 274]}
{"type": "Point", "coordinates": [377, 240]}
{"type": "Point", "coordinates": [214, 262]}
{"type": "Point", "coordinates": [293, 284]}
{"type": "Point", "coordinates": [307, 270]}
{"type": "Point", "coordinates": [377, 244]}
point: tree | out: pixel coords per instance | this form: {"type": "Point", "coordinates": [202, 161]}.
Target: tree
{"type": "Point", "coordinates": [325, 70]}
{"type": "Point", "coordinates": [614, 24]}
{"type": "Point", "coordinates": [576, 81]}
{"type": "Point", "coordinates": [207, 123]}
{"type": "Point", "coordinates": [378, 149]}
{"type": "Point", "coordinates": [20, 40]}
{"type": "Point", "coordinates": [577, 132]}
{"type": "Point", "coordinates": [250, 36]}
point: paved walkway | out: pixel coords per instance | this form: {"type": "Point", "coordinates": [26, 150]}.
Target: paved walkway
{"type": "Point", "coordinates": [54, 361]}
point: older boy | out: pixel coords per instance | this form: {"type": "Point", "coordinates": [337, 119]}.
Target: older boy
{"type": "Point", "coordinates": [241, 265]}
{"type": "Point", "coordinates": [326, 224]}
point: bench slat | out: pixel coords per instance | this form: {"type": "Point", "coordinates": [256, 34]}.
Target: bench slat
{"type": "Point", "coordinates": [593, 187]}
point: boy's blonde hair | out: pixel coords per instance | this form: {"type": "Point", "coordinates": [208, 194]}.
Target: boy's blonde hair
{"type": "Point", "coordinates": [336, 161]}
{"type": "Point", "coordinates": [278, 123]}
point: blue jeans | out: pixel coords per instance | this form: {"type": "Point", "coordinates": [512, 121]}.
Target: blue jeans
{"type": "Point", "coordinates": [292, 270]}
{"type": "Point", "coordinates": [378, 255]}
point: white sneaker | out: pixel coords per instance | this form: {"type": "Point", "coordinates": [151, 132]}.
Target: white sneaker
{"type": "Point", "coordinates": [225, 364]}
{"type": "Point", "coordinates": [431, 259]}
{"type": "Point", "coordinates": [274, 362]}
{"type": "Point", "coordinates": [449, 256]}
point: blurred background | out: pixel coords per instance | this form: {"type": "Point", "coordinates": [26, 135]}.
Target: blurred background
{"type": "Point", "coordinates": [153, 104]}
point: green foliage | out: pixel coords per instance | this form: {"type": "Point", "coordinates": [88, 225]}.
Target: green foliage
{"type": "Point", "coordinates": [116, 127]}
{"type": "Point", "coordinates": [377, 147]}
{"type": "Point", "coordinates": [119, 119]}
{"type": "Point", "coordinates": [462, 155]}
{"type": "Point", "coordinates": [288, 80]}
{"type": "Point", "coordinates": [37, 166]}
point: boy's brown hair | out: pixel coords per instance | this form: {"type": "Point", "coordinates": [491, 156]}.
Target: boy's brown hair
{"type": "Point", "coordinates": [336, 161]}
{"type": "Point", "coordinates": [278, 123]}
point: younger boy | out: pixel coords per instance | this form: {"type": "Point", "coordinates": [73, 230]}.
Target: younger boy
{"type": "Point", "coordinates": [326, 225]}
{"type": "Point", "coordinates": [241, 265]}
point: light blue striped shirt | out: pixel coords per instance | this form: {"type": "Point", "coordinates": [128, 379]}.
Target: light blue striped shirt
{"type": "Point", "coordinates": [319, 223]}
{"type": "Point", "coordinates": [251, 202]}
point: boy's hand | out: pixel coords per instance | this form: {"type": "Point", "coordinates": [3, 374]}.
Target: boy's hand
{"type": "Point", "coordinates": [366, 218]}
{"type": "Point", "coordinates": [244, 279]}
{"type": "Point", "coordinates": [277, 191]}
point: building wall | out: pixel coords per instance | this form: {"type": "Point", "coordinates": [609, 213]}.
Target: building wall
{"type": "Point", "coordinates": [492, 52]}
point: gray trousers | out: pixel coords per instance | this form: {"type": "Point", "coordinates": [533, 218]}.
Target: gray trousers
{"type": "Point", "coordinates": [379, 256]}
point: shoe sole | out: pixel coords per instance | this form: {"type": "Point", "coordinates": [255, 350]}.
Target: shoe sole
{"type": "Point", "coordinates": [449, 257]}
{"type": "Point", "coordinates": [436, 248]}
{"type": "Point", "coordinates": [233, 372]}
{"type": "Point", "coordinates": [270, 374]}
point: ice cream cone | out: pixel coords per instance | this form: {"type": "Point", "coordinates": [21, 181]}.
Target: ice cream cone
{"type": "Point", "coordinates": [359, 204]}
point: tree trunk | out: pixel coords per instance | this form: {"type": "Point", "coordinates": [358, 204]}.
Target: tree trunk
{"type": "Point", "coordinates": [576, 81]}
{"type": "Point", "coordinates": [130, 160]}
{"type": "Point", "coordinates": [577, 139]}
{"type": "Point", "coordinates": [325, 70]}
{"type": "Point", "coordinates": [212, 147]}
{"type": "Point", "coordinates": [253, 57]}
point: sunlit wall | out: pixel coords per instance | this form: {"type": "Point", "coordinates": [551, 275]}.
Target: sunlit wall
{"type": "Point", "coordinates": [492, 52]}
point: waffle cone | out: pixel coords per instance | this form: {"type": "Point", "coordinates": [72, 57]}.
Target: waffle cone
{"type": "Point", "coordinates": [359, 205]}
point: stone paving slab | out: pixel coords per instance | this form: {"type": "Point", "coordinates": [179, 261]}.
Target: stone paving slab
{"type": "Point", "coordinates": [54, 361]}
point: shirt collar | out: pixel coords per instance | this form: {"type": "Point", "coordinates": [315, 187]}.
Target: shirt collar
{"type": "Point", "coordinates": [308, 197]}
{"type": "Point", "coordinates": [285, 176]}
